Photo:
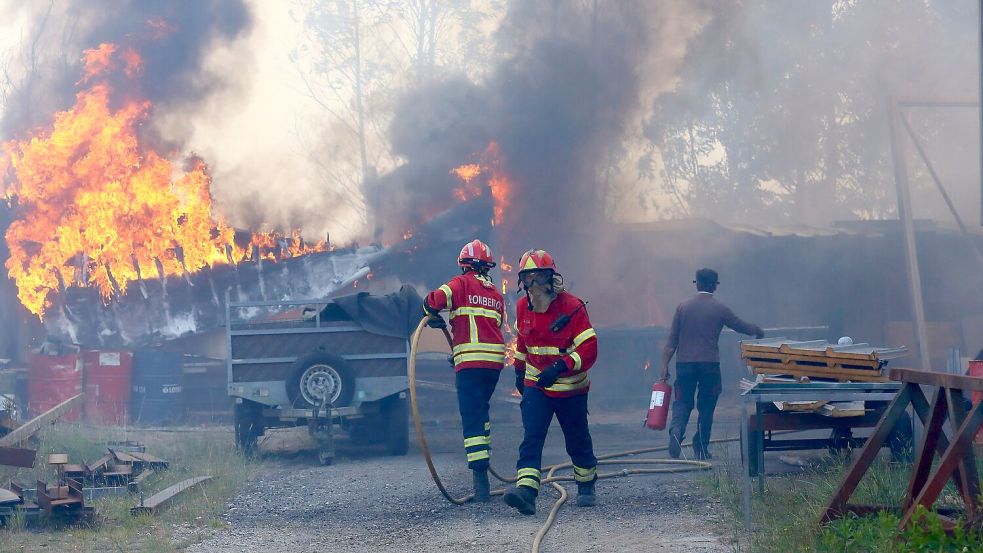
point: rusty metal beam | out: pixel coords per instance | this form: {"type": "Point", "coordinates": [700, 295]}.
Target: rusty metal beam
{"type": "Point", "coordinates": [16, 457]}
{"type": "Point", "coordinates": [31, 427]}
{"type": "Point", "coordinates": [161, 499]}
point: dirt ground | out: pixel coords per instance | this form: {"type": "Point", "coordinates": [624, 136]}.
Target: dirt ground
{"type": "Point", "coordinates": [367, 501]}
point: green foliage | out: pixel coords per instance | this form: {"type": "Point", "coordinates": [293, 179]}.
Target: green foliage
{"type": "Point", "coordinates": [786, 517]}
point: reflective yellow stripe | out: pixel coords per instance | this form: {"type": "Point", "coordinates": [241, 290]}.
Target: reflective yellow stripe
{"type": "Point", "coordinates": [584, 475]}
{"type": "Point", "coordinates": [479, 455]}
{"type": "Point", "coordinates": [568, 387]}
{"type": "Point", "coordinates": [572, 379]}
{"type": "Point", "coordinates": [474, 328]}
{"type": "Point", "coordinates": [479, 346]}
{"type": "Point", "coordinates": [492, 357]}
{"type": "Point", "coordinates": [447, 292]}
{"type": "Point", "coordinates": [477, 440]}
{"type": "Point", "coordinates": [528, 472]}
{"type": "Point", "coordinates": [477, 312]}
{"type": "Point", "coordinates": [543, 350]}
{"type": "Point", "coordinates": [583, 337]}
{"type": "Point", "coordinates": [564, 384]}
{"type": "Point", "coordinates": [519, 356]}
{"type": "Point", "coordinates": [528, 482]}
{"type": "Point", "coordinates": [577, 363]}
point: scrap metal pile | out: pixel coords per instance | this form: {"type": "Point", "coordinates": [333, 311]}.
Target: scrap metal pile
{"type": "Point", "coordinates": [122, 470]}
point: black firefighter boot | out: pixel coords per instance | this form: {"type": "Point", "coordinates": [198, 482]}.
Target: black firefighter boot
{"type": "Point", "coordinates": [522, 498]}
{"type": "Point", "coordinates": [585, 494]}
{"type": "Point", "coordinates": [482, 489]}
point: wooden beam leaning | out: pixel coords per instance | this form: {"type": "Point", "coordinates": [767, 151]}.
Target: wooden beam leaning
{"type": "Point", "coordinates": [966, 475]}
{"type": "Point", "coordinates": [961, 445]}
{"type": "Point", "coordinates": [161, 499]}
{"type": "Point", "coordinates": [930, 443]}
{"type": "Point", "coordinates": [31, 427]}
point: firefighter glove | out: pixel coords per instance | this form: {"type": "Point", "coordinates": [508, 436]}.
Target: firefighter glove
{"type": "Point", "coordinates": [436, 321]}
{"type": "Point", "coordinates": [520, 382]}
{"type": "Point", "coordinates": [548, 377]}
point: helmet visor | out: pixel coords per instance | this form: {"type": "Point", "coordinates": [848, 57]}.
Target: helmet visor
{"type": "Point", "coordinates": [528, 278]}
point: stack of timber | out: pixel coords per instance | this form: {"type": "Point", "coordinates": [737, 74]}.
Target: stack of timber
{"type": "Point", "coordinates": [819, 359]}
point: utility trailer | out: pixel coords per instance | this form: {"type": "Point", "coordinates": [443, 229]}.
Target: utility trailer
{"type": "Point", "coordinates": [325, 363]}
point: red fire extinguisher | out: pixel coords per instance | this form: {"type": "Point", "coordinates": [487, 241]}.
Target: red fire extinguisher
{"type": "Point", "coordinates": [659, 406]}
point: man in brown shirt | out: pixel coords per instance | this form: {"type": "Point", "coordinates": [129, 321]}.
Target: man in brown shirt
{"type": "Point", "coordinates": [693, 340]}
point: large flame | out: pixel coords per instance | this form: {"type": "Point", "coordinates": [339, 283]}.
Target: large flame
{"type": "Point", "coordinates": [498, 182]}
{"type": "Point", "coordinates": [94, 206]}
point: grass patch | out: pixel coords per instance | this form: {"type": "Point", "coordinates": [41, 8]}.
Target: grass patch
{"type": "Point", "coordinates": [786, 517]}
{"type": "Point", "coordinates": [195, 515]}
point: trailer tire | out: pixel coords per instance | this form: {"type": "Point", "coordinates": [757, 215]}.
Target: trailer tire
{"type": "Point", "coordinates": [248, 421]}
{"type": "Point", "coordinates": [324, 371]}
{"type": "Point", "coordinates": [396, 411]}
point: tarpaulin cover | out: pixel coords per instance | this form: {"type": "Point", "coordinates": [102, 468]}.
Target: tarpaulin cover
{"type": "Point", "coordinates": [395, 314]}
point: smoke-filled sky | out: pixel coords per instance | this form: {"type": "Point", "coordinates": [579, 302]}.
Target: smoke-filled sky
{"type": "Point", "coordinates": [585, 98]}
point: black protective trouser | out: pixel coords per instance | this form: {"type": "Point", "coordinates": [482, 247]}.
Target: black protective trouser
{"type": "Point", "coordinates": [703, 380]}
{"type": "Point", "coordinates": [474, 390]}
{"type": "Point", "coordinates": [538, 410]}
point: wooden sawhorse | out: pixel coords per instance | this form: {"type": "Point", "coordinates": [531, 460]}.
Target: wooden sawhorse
{"type": "Point", "coordinates": [957, 459]}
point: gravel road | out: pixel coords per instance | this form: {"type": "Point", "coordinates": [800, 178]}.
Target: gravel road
{"type": "Point", "coordinates": [367, 502]}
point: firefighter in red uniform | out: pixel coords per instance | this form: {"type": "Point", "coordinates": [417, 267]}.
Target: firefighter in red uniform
{"type": "Point", "coordinates": [556, 348]}
{"type": "Point", "coordinates": [476, 313]}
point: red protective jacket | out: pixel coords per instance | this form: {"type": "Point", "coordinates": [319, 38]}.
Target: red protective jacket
{"type": "Point", "coordinates": [476, 312]}
{"type": "Point", "coordinates": [538, 346]}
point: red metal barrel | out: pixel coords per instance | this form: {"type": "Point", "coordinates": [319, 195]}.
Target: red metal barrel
{"type": "Point", "coordinates": [52, 380]}
{"type": "Point", "coordinates": [976, 369]}
{"type": "Point", "coordinates": [108, 375]}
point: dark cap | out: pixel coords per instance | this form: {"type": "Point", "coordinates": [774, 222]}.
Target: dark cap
{"type": "Point", "coordinates": [706, 277]}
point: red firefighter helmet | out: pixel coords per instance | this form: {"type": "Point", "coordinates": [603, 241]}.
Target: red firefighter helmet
{"type": "Point", "coordinates": [474, 253]}
{"type": "Point", "coordinates": [536, 260]}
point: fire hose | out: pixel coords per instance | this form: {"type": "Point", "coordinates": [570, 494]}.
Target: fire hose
{"type": "Point", "coordinates": [679, 465]}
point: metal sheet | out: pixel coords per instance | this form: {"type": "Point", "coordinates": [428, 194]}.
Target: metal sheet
{"type": "Point", "coordinates": [7, 496]}
{"type": "Point", "coordinates": [16, 457]}
{"type": "Point", "coordinates": [161, 499]}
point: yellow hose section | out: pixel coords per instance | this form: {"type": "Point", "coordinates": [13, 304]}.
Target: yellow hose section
{"type": "Point", "coordinates": [682, 465]}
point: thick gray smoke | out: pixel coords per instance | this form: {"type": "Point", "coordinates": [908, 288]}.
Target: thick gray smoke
{"type": "Point", "coordinates": [557, 106]}
{"type": "Point", "coordinates": [173, 38]}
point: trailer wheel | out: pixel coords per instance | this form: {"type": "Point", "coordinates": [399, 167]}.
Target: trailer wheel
{"type": "Point", "coordinates": [396, 411]}
{"type": "Point", "coordinates": [248, 421]}
{"type": "Point", "coordinates": [319, 376]}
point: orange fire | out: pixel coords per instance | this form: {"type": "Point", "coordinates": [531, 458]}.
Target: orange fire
{"type": "Point", "coordinates": [498, 182]}
{"type": "Point", "coordinates": [91, 200]}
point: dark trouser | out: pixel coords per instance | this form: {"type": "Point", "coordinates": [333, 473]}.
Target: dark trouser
{"type": "Point", "coordinates": [474, 389]}
{"type": "Point", "coordinates": [703, 380]}
{"type": "Point", "coordinates": [537, 414]}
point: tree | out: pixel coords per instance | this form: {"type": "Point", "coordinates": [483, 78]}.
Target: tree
{"type": "Point", "coordinates": [781, 107]}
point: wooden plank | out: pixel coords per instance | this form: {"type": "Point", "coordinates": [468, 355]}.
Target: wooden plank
{"type": "Point", "coordinates": [161, 499]}
{"type": "Point", "coordinates": [968, 477]}
{"type": "Point", "coordinates": [833, 375]}
{"type": "Point", "coordinates": [818, 362]}
{"type": "Point", "coordinates": [16, 457]}
{"type": "Point", "coordinates": [930, 378]}
{"type": "Point", "coordinates": [926, 452]}
{"type": "Point", "coordinates": [31, 427]}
